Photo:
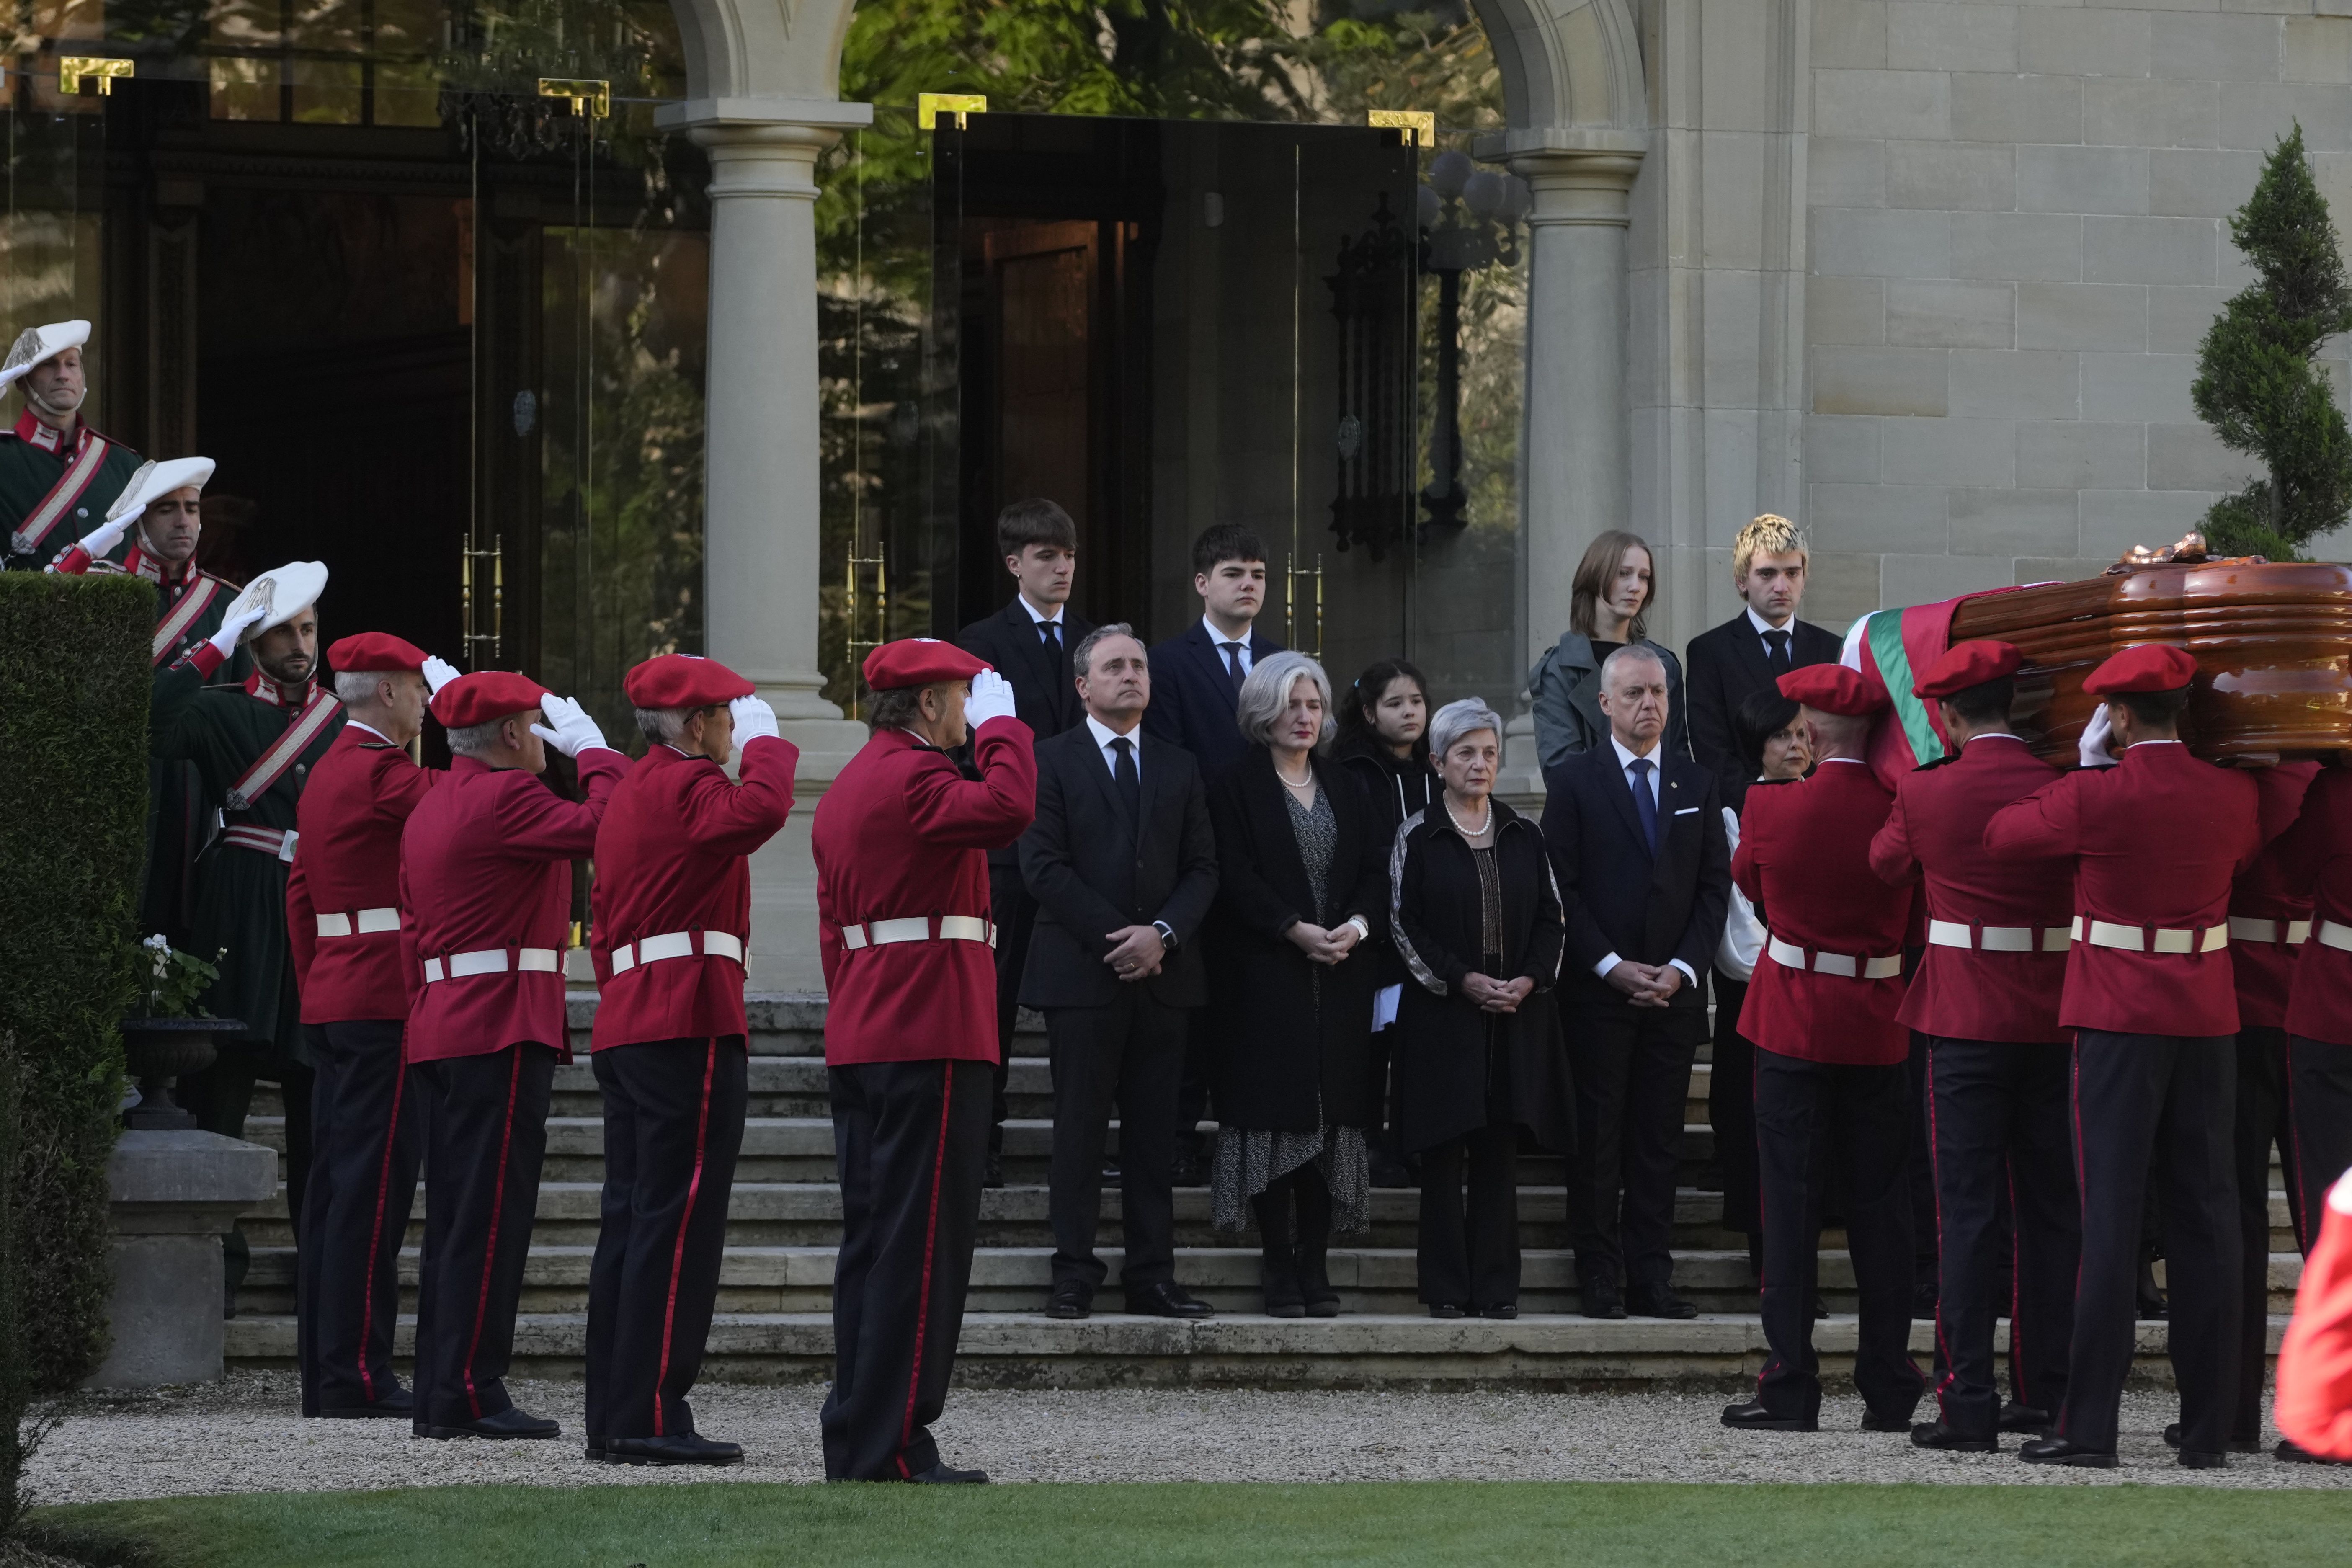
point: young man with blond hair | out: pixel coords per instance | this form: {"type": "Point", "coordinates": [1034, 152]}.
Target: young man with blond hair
{"type": "Point", "coordinates": [1754, 648]}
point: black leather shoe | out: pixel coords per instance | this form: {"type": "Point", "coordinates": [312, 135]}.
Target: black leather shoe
{"type": "Point", "coordinates": [1184, 1170]}
{"type": "Point", "coordinates": [1935, 1434]}
{"type": "Point", "coordinates": [1874, 1422]}
{"type": "Point", "coordinates": [509, 1423]}
{"type": "Point", "coordinates": [1166, 1300]}
{"type": "Point", "coordinates": [396, 1404]}
{"type": "Point", "coordinates": [1314, 1291]}
{"type": "Point", "coordinates": [2235, 1445]}
{"type": "Point", "coordinates": [993, 1175]}
{"type": "Point", "coordinates": [1283, 1299]}
{"type": "Point", "coordinates": [1659, 1304]}
{"type": "Point", "coordinates": [2290, 1452]}
{"type": "Point", "coordinates": [1504, 1310]}
{"type": "Point", "coordinates": [1821, 1309]}
{"type": "Point", "coordinates": [2172, 1436]}
{"type": "Point", "coordinates": [1388, 1171]}
{"type": "Point", "coordinates": [1755, 1416]}
{"type": "Point", "coordinates": [1923, 1302]}
{"type": "Point", "coordinates": [685, 1450]}
{"type": "Point", "coordinates": [2016, 1417]}
{"type": "Point", "coordinates": [1445, 1309]}
{"type": "Point", "coordinates": [595, 1451]}
{"type": "Point", "coordinates": [938, 1475]}
{"type": "Point", "coordinates": [2190, 1460]}
{"type": "Point", "coordinates": [2064, 1451]}
{"type": "Point", "coordinates": [1070, 1300]}
{"type": "Point", "coordinates": [1599, 1299]}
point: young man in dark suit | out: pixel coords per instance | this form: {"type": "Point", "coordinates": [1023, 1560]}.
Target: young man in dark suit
{"type": "Point", "coordinates": [1754, 648]}
{"type": "Point", "coordinates": [1123, 866]}
{"type": "Point", "coordinates": [1028, 642]}
{"type": "Point", "coordinates": [1196, 679]}
{"type": "Point", "coordinates": [1637, 841]}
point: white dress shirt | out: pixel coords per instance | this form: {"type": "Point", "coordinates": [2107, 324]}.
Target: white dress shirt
{"type": "Point", "coordinates": [372, 730]}
{"type": "Point", "coordinates": [1039, 618]}
{"type": "Point", "coordinates": [1764, 626]}
{"type": "Point", "coordinates": [1626, 758]}
{"type": "Point", "coordinates": [1104, 735]}
{"type": "Point", "coordinates": [1217, 641]}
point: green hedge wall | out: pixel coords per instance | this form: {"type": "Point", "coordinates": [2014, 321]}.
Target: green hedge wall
{"type": "Point", "coordinates": [74, 680]}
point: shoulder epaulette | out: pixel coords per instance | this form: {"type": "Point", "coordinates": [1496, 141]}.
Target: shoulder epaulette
{"type": "Point", "coordinates": [1770, 784]}
{"type": "Point", "coordinates": [1939, 762]}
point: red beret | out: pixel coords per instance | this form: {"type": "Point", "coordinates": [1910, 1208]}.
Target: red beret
{"type": "Point", "coordinates": [1833, 689]}
{"type": "Point", "coordinates": [484, 695]}
{"type": "Point", "coordinates": [918, 661]}
{"type": "Point", "coordinates": [373, 651]}
{"type": "Point", "coordinates": [682, 680]}
{"type": "Point", "coordinates": [2150, 667]}
{"type": "Point", "coordinates": [1968, 664]}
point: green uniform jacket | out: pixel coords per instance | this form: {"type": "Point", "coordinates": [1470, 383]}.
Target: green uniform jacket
{"type": "Point", "coordinates": [29, 470]}
{"type": "Point", "coordinates": [240, 894]}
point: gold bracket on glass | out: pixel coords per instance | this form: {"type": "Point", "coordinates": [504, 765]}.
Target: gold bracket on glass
{"type": "Point", "coordinates": [852, 644]}
{"type": "Point", "coordinates": [929, 106]}
{"type": "Point", "coordinates": [496, 637]}
{"type": "Point", "coordinates": [590, 98]}
{"type": "Point", "coordinates": [72, 68]}
{"type": "Point", "coordinates": [1419, 125]}
{"type": "Point", "coordinates": [1291, 575]}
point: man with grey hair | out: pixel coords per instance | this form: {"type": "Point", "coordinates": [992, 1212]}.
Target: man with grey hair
{"type": "Point", "coordinates": [1645, 867]}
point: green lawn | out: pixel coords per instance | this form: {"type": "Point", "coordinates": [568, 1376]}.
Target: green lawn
{"type": "Point", "coordinates": [1224, 1525]}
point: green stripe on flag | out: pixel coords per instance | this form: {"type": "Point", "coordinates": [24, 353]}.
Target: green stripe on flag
{"type": "Point", "coordinates": [1885, 638]}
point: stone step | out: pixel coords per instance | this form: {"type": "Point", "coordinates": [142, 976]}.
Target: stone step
{"type": "Point", "coordinates": [1113, 1349]}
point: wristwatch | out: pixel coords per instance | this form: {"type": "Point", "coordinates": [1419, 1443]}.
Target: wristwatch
{"type": "Point", "coordinates": [1167, 934]}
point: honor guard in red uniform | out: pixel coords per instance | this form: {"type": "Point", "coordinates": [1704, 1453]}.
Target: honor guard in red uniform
{"type": "Point", "coordinates": [485, 881]}
{"type": "Point", "coordinates": [342, 917]}
{"type": "Point", "coordinates": [673, 916]}
{"type": "Point", "coordinates": [2156, 842]}
{"type": "Point", "coordinates": [1831, 1059]}
{"type": "Point", "coordinates": [1985, 998]}
{"type": "Point", "coordinates": [901, 842]}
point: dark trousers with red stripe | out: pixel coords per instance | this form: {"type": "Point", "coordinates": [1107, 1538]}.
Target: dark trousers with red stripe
{"type": "Point", "coordinates": [1997, 1121]}
{"type": "Point", "coordinates": [2134, 1094]}
{"type": "Point", "coordinates": [2262, 1119]}
{"type": "Point", "coordinates": [673, 1128]}
{"type": "Point", "coordinates": [1814, 1121]}
{"type": "Point", "coordinates": [363, 1184]}
{"type": "Point", "coordinates": [1014, 913]}
{"type": "Point", "coordinates": [485, 1140]}
{"type": "Point", "coordinates": [910, 1141]}
{"type": "Point", "coordinates": [2319, 1086]}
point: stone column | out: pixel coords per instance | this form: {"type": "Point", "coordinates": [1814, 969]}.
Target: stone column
{"type": "Point", "coordinates": [761, 482]}
{"type": "Point", "coordinates": [174, 1195]}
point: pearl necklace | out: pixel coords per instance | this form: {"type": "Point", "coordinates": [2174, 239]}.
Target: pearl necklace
{"type": "Point", "coordinates": [1484, 827]}
{"type": "Point", "coordinates": [1306, 782]}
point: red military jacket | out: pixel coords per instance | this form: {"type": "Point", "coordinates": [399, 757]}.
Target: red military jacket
{"type": "Point", "coordinates": [1804, 860]}
{"type": "Point", "coordinates": [342, 899]}
{"type": "Point", "coordinates": [2320, 1005]}
{"type": "Point", "coordinates": [670, 861]}
{"type": "Point", "coordinates": [2276, 890]}
{"type": "Point", "coordinates": [904, 835]}
{"type": "Point", "coordinates": [484, 868]}
{"type": "Point", "coordinates": [2157, 840]}
{"type": "Point", "coordinates": [1936, 834]}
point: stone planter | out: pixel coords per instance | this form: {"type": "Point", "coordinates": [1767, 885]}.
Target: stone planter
{"type": "Point", "coordinates": [174, 1195]}
{"type": "Point", "coordinates": [158, 1051]}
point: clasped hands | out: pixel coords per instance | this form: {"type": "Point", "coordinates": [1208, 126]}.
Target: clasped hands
{"type": "Point", "coordinates": [1135, 951]}
{"type": "Point", "coordinates": [1494, 996]}
{"type": "Point", "coordinates": [1323, 945]}
{"type": "Point", "coordinates": [1645, 985]}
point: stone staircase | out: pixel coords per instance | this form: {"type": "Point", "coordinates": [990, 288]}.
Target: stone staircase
{"type": "Point", "coordinates": [783, 1229]}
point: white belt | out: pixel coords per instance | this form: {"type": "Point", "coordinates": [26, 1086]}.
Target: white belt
{"type": "Point", "coordinates": [918, 928]}
{"type": "Point", "coordinates": [269, 840]}
{"type": "Point", "coordinates": [365, 922]}
{"type": "Point", "coordinates": [493, 961]}
{"type": "Point", "coordinates": [675, 944]}
{"type": "Point", "coordinates": [2278, 933]}
{"type": "Point", "coordinates": [1791, 956]}
{"type": "Point", "coordinates": [2135, 938]}
{"type": "Point", "coordinates": [2338, 937]}
{"type": "Point", "coordinates": [1999, 939]}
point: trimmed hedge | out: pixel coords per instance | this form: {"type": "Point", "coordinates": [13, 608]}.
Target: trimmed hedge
{"type": "Point", "coordinates": [74, 685]}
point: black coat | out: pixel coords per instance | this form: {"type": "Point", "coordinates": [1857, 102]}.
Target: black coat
{"type": "Point", "coordinates": [1396, 788]}
{"type": "Point", "coordinates": [1092, 871]}
{"type": "Point", "coordinates": [1044, 688]}
{"type": "Point", "coordinates": [1614, 896]}
{"type": "Point", "coordinates": [1193, 698]}
{"type": "Point", "coordinates": [1724, 665]}
{"type": "Point", "coordinates": [1281, 1059]}
{"type": "Point", "coordinates": [1442, 1036]}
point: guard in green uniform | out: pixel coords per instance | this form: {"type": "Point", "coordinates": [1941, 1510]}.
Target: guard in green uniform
{"type": "Point", "coordinates": [57, 476]}
{"type": "Point", "coordinates": [253, 744]}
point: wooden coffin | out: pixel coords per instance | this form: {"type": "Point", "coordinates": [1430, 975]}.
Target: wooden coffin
{"type": "Point", "coordinates": [2273, 646]}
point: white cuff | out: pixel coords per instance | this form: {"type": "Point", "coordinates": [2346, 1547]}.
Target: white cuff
{"type": "Point", "coordinates": [1606, 965]}
{"type": "Point", "coordinates": [1685, 968]}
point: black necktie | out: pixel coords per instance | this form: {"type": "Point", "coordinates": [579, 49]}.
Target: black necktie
{"type": "Point", "coordinates": [1776, 643]}
{"type": "Point", "coordinates": [1050, 633]}
{"type": "Point", "coordinates": [1645, 803]}
{"type": "Point", "coordinates": [1233, 663]}
{"type": "Point", "coordinates": [1124, 774]}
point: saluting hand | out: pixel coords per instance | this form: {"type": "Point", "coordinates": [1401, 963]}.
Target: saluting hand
{"type": "Point", "coordinates": [100, 542]}
{"type": "Point", "coordinates": [569, 728]}
{"type": "Point", "coordinates": [754, 720]}
{"type": "Point", "coordinates": [992, 697]}
{"type": "Point", "coordinates": [2093, 753]}
{"type": "Point", "coordinates": [438, 673]}
{"type": "Point", "coordinates": [235, 625]}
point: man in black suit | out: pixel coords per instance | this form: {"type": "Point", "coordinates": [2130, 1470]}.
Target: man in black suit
{"type": "Point", "coordinates": [1636, 838]}
{"type": "Point", "coordinates": [1196, 677]}
{"type": "Point", "coordinates": [1753, 649]}
{"type": "Point", "coordinates": [1028, 642]}
{"type": "Point", "coordinates": [1123, 866]}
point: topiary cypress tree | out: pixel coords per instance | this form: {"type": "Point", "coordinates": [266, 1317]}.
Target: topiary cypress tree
{"type": "Point", "coordinates": [2256, 384]}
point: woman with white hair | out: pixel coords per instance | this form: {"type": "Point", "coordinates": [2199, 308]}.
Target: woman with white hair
{"type": "Point", "coordinates": [1476, 915]}
{"type": "Point", "coordinates": [1302, 881]}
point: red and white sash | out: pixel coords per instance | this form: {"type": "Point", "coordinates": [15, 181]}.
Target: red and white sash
{"type": "Point", "coordinates": [89, 456]}
{"type": "Point", "coordinates": [316, 715]}
{"type": "Point", "coordinates": [185, 614]}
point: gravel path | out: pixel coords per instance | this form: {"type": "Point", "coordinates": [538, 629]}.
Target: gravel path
{"type": "Point", "coordinates": [243, 1436]}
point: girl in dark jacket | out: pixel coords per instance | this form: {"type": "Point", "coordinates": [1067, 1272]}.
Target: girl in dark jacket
{"type": "Point", "coordinates": [1477, 918]}
{"type": "Point", "coordinates": [1302, 882]}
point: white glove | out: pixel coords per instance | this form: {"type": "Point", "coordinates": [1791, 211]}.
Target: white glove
{"type": "Point", "coordinates": [100, 542]}
{"type": "Point", "coordinates": [574, 732]}
{"type": "Point", "coordinates": [438, 673]}
{"type": "Point", "coordinates": [753, 720]}
{"type": "Point", "coordinates": [233, 629]}
{"type": "Point", "coordinates": [2093, 752]}
{"type": "Point", "coordinates": [992, 697]}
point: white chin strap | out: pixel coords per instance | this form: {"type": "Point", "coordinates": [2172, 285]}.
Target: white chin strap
{"type": "Point", "coordinates": [44, 404]}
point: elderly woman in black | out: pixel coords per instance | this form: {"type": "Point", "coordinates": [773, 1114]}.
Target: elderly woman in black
{"type": "Point", "coordinates": [1476, 915]}
{"type": "Point", "coordinates": [1302, 880]}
